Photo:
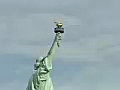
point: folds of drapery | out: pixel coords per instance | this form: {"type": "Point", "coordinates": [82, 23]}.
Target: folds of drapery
{"type": "Point", "coordinates": [41, 80]}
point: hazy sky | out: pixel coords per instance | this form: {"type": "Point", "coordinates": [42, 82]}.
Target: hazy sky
{"type": "Point", "coordinates": [88, 58]}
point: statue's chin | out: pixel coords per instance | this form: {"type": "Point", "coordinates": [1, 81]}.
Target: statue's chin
{"type": "Point", "coordinates": [36, 67]}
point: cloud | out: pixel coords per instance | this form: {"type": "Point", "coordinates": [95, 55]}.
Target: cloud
{"type": "Point", "coordinates": [86, 75]}
{"type": "Point", "coordinates": [88, 58]}
{"type": "Point", "coordinates": [28, 35]}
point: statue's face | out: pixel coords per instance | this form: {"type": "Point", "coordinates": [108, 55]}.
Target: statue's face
{"type": "Point", "coordinates": [37, 64]}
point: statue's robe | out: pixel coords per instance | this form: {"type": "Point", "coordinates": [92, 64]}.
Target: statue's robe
{"type": "Point", "coordinates": [41, 80]}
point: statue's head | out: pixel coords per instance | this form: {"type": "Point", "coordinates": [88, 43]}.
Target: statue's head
{"type": "Point", "coordinates": [38, 61]}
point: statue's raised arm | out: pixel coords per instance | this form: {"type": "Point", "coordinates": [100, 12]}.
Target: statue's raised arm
{"type": "Point", "coordinates": [56, 43]}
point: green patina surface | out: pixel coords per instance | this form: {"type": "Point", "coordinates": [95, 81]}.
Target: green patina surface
{"type": "Point", "coordinates": [41, 79]}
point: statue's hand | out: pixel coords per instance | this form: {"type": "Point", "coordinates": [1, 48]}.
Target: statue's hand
{"type": "Point", "coordinates": [59, 36]}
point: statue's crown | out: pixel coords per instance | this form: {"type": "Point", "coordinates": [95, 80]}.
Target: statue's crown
{"type": "Point", "coordinates": [39, 59]}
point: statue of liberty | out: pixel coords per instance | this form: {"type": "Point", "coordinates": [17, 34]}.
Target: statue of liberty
{"type": "Point", "coordinates": [41, 80]}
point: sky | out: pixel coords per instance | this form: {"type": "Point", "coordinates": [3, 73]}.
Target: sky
{"type": "Point", "coordinates": [88, 58]}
